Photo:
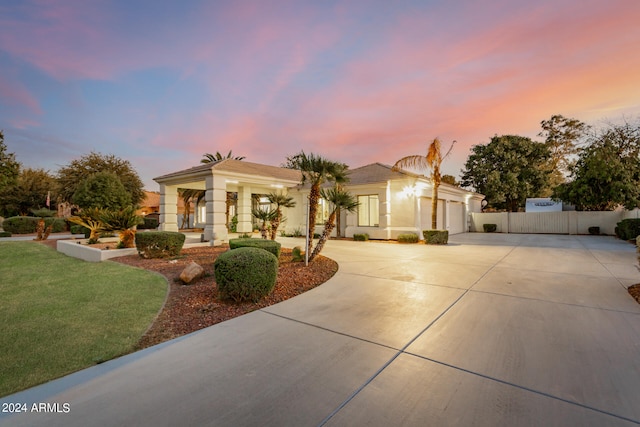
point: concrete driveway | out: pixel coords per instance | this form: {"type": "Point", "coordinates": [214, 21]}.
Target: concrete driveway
{"type": "Point", "coordinates": [490, 330]}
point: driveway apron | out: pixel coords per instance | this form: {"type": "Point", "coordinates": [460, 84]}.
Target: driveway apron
{"type": "Point", "coordinates": [490, 330]}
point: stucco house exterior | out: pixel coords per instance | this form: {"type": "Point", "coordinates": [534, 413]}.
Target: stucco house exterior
{"type": "Point", "coordinates": [391, 202]}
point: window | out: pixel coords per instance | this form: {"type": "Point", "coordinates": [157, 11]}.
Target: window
{"type": "Point", "coordinates": [368, 213]}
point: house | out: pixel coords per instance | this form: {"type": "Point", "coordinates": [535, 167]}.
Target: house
{"type": "Point", "coordinates": [391, 202]}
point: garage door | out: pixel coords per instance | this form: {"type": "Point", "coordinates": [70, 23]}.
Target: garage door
{"type": "Point", "coordinates": [456, 218]}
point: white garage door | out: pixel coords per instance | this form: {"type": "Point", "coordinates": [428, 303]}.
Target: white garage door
{"type": "Point", "coordinates": [456, 218]}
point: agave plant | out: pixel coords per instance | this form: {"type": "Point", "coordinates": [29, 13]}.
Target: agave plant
{"type": "Point", "coordinates": [264, 216]}
{"type": "Point", "coordinates": [90, 218]}
{"type": "Point", "coordinates": [124, 222]}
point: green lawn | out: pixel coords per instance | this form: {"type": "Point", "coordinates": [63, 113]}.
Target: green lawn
{"type": "Point", "coordinates": [60, 314]}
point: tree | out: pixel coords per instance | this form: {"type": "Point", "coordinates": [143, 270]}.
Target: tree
{"type": "Point", "coordinates": [189, 195]}
{"type": "Point", "coordinates": [71, 176]}
{"type": "Point", "coordinates": [9, 167]}
{"type": "Point", "coordinates": [316, 170]}
{"type": "Point", "coordinates": [90, 218]}
{"type": "Point", "coordinates": [102, 190]}
{"type": "Point", "coordinates": [264, 215]}
{"type": "Point", "coordinates": [607, 173]}
{"type": "Point", "coordinates": [451, 180]}
{"type": "Point", "coordinates": [29, 192]}
{"type": "Point", "coordinates": [339, 199]}
{"type": "Point", "coordinates": [507, 170]}
{"type": "Point", "coordinates": [210, 158]}
{"type": "Point", "coordinates": [432, 162]}
{"type": "Point", "coordinates": [281, 201]}
{"type": "Point", "coordinates": [124, 222]}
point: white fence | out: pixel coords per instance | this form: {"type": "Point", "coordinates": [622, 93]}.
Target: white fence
{"type": "Point", "coordinates": [569, 222]}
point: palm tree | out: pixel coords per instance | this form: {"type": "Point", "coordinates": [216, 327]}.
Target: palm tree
{"type": "Point", "coordinates": [431, 161]}
{"type": "Point", "coordinates": [124, 222]}
{"type": "Point", "coordinates": [90, 218]}
{"type": "Point", "coordinates": [316, 170]}
{"type": "Point", "coordinates": [210, 158]}
{"type": "Point", "coordinates": [264, 216]}
{"type": "Point", "coordinates": [339, 199]}
{"type": "Point", "coordinates": [281, 201]}
{"type": "Point", "coordinates": [189, 195]}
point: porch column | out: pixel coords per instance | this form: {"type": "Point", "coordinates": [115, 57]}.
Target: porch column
{"type": "Point", "coordinates": [168, 208]}
{"type": "Point", "coordinates": [215, 229]}
{"type": "Point", "coordinates": [244, 210]}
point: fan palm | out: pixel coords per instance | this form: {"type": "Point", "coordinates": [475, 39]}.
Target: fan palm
{"type": "Point", "coordinates": [265, 216]}
{"type": "Point", "coordinates": [339, 199]}
{"type": "Point", "coordinates": [281, 201]}
{"type": "Point", "coordinates": [316, 170]}
{"type": "Point", "coordinates": [431, 161]}
{"type": "Point", "coordinates": [210, 158]}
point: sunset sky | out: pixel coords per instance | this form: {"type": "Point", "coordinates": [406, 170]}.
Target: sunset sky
{"type": "Point", "coordinates": [160, 83]}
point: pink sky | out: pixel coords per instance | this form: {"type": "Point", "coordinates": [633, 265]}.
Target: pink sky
{"type": "Point", "coordinates": [160, 84]}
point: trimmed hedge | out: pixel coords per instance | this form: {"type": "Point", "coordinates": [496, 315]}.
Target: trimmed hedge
{"type": "Point", "coordinates": [594, 230]}
{"type": "Point", "coordinates": [268, 245]}
{"type": "Point", "coordinates": [247, 273]}
{"type": "Point", "coordinates": [29, 224]}
{"type": "Point", "coordinates": [5, 234]}
{"type": "Point", "coordinates": [436, 237]}
{"type": "Point", "coordinates": [149, 224]}
{"type": "Point", "coordinates": [361, 237]}
{"type": "Point", "coordinates": [627, 229]}
{"type": "Point", "coordinates": [159, 244]}
{"type": "Point", "coordinates": [489, 228]}
{"type": "Point", "coordinates": [80, 229]}
{"type": "Point", "coordinates": [408, 238]}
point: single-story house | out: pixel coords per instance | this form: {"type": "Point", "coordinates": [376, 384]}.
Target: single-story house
{"type": "Point", "coordinates": [391, 203]}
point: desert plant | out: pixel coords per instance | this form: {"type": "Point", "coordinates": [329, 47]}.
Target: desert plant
{"type": "Point", "coordinates": [159, 244]}
{"type": "Point", "coordinates": [361, 237]}
{"type": "Point", "coordinates": [123, 221]}
{"type": "Point", "coordinates": [408, 238]}
{"type": "Point", "coordinates": [281, 201]}
{"type": "Point", "coordinates": [90, 218]}
{"type": "Point", "coordinates": [436, 237]}
{"type": "Point", "coordinates": [265, 216]}
{"type": "Point", "coordinates": [489, 228]}
{"type": "Point", "coordinates": [267, 245]}
{"type": "Point", "coordinates": [296, 254]}
{"type": "Point", "coordinates": [594, 230]}
{"type": "Point", "coordinates": [246, 274]}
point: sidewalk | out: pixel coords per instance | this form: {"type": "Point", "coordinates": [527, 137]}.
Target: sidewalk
{"type": "Point", "coordinates": [489, 330]}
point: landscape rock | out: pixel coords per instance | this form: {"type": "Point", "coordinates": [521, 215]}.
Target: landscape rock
{"type": "Point", "coordinates": [191, 272]}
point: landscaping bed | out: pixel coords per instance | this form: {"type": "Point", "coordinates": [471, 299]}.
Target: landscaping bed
{"type": "Point", "coordinates": [192, 307]}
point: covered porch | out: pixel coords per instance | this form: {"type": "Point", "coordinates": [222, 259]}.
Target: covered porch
{"type": "Point", "coordinates": [216, 180]}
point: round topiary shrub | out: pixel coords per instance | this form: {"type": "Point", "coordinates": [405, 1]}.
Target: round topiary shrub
{"type": "Point", "coordinates": [159, 244]}
{"type": "Point", "coordinates": [246, 274]}
{"type": "Point", "coordinates": [361, 237]}
{"type": "Point", "coordinates": [268, 245]}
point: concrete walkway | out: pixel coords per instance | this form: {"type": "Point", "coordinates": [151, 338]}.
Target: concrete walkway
{"type": "Point", "coordinates": [490, 330]}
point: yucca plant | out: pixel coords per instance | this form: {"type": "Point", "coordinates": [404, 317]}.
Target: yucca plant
{"type": "Point", "coordinates": [91, 219]}
{"type": "Point", "coordinates": [281, 201]}
{"type": "Point", "coordinates": [264, 216]}
{"type": "Point", "coordinates": [123, 221]}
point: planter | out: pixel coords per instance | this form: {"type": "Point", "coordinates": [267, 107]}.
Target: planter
{"type": "Point", "coordinates": [80, 249]}
{"type": "Point", "coordinates": [436, 237]}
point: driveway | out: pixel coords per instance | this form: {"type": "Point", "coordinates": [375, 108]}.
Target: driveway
{"type": "Point", "coordinates": [492, 329]}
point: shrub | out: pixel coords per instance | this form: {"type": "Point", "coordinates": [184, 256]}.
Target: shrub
{"type": "Point", "coordinates": [297, 254]}
{"type": "Point", "coordinates": [5, 234]}
{"type": "Point", "coordinates": [246, 274]}
{"type": "Point", "coordinates": [43, 213]}
{"type": "Point", "coordinates": [79, 229]}
{"type": "Point", "coordinates": [268, 245]}
{"type": "Point", "coordinates": [489, 228]}
{"type": "Point", "coordinates": [436, 237]}
{"type": "Point", "coordinates": [361, 237]}
{"type": "Point", "coordinates": [159, 244]}
{"type": "Point", "coordinates": [627, 229]}
{"type": "Point", "coordinates": [149, 224]}
{"type": "Point", "coordinates": [29, 224]}
{"type": "Point", "coordinates": [408, 238]}
{"type": "Point", "coordinates": [594, 230]}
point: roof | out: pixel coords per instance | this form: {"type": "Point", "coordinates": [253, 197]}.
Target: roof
{"type": "Point", "coordinates": [376, 172]}
{"type": "Point", "coordinates": [237, 167]}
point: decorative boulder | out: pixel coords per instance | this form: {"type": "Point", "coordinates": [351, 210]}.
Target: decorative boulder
{"type": "Point", "coordinates": [191, 272]}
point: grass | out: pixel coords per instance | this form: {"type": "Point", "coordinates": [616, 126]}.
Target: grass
{"type": "Point", "coordinates": [61, 314]}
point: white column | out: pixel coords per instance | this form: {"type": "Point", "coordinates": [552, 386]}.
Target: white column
{"type": "Point", "coordinates": [244, 209]}
{"type": "Point", "coordinates": [168, 208]}
{"type": "Point", "coordinates": [215, 229]}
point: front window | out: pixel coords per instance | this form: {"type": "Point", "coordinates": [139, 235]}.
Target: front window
{"type": "Point", "coordinates": [368, 213]}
